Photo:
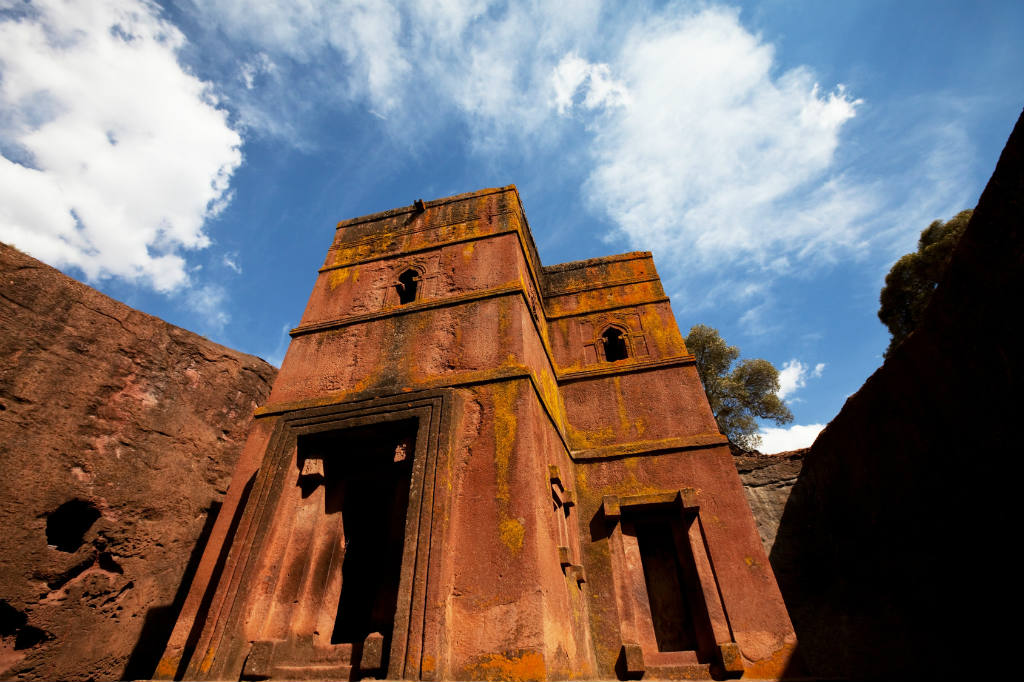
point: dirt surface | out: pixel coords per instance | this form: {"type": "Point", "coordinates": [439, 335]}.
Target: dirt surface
{"type": "Point", "coordinates": [118, 433]}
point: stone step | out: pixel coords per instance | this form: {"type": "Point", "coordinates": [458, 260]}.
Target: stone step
{"type": "Point", "coordinates": [328, 671]}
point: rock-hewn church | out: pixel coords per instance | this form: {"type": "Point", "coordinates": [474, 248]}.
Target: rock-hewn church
{"type": "Point", "coordinates": [472, 466]}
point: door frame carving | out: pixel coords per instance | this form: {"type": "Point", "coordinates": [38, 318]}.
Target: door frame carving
{"type": "Point", "coordinates": [221, 647]}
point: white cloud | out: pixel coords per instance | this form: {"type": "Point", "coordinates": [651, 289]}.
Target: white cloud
{"type": "Point", "coordinates": [794, 375]}
{"type": "Point", "coordinates": [573, 74]}
{"type": "Point", "coordinates": [715, 158]}
{"type": "Point", "coordinates": [776, 439]}
{"type": "Point", "coordinates": [113, 155]}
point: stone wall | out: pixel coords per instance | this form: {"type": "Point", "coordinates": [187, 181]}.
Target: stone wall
{"type": "Point", "coordinates": [118, 434]}
{"type": "Point", "coordinates": [767, 483]}
{"type": "Point", "coordinates": [895, 550]}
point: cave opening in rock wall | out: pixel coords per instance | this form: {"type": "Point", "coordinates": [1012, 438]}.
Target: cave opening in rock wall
{"type": "Point", "coordinates": [67, 525]}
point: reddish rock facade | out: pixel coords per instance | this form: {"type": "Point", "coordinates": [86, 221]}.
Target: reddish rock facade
{"type": "Point", "coordinates": [118, 433]}
{"type": "Point", "coordinates": [475, 467]}
{"type": "Point", "coordinates": [896, 545]}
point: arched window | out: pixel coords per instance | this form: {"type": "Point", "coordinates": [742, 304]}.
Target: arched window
{"type": "Point", "coordinates": [614, 345]}
{"type": "Point", "coordinates": [408, 282]}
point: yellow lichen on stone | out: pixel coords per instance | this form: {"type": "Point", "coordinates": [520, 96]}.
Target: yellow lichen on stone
{"type": "Point", "coordinates": [512, 533]}
{"type": "Point", "coordinates": [505, 424]}
{"type": "Point", "coordinates": [338, 277]}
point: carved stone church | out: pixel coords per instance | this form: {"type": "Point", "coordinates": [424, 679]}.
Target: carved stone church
{"type": "Point", "coordinates": [475, 467]}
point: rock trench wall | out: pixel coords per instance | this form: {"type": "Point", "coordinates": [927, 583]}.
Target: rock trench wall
{"type": "Point", "coordinates": [895, 548]}
{"type": "Point", "coordinates": [118, 435]}
{"type": "Point", "coordinates": [767, 483]}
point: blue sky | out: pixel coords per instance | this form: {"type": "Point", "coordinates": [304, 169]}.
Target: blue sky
{"type": "Point", "coordinates": [777, 157]}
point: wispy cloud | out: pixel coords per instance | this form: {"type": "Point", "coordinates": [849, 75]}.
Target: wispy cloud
{"type": "Point", "coordinates": [210, 303]}
{"type": "Point", "coordinates": [113, 155]}
{"type": "Point", "coordinates": [463, 60]}
{"type": "Point", "coordinates": [230, 261]}
{"type": "Point", "coordinates": [276, 356]}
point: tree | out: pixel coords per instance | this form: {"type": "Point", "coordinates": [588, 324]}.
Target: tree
{"type": "Point", "coordinates": [913, 278]}
{"type": "Point", "coordinates": [738, 393]}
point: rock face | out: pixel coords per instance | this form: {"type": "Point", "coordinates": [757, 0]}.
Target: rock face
{"type": "Point", "coordinates": [767, 483]}
{"type": "Point", "coordinates": [896, 542]}
{"type": "Point", "coordinates": [118, 433]}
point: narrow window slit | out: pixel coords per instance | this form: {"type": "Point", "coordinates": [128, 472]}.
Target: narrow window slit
{"type": "Point", "coordinates": [614, 345]}
{"type": "Point", "coordinates": [408, 283]}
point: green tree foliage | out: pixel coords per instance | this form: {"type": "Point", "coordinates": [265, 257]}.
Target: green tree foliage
{"type": "Point", "coordinates": [739, 392]}
{"type": "Point", "coordinates": [911, 281]}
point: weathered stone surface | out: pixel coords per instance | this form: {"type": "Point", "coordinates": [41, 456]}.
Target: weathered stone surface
{"type": "Point", "coordinates": [541, 436]}
{"type": "Point", "coordinates": [896, 546]}
{"type": "Point", "coordinates": [767, 483]}
{"type": "Point", "coordinates": [118, 433]}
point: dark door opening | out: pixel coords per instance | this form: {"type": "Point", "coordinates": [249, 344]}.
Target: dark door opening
{"type": "Point", "coordinates": [678, 613]}
{"type": "Point", "coordinates": [367, 471]}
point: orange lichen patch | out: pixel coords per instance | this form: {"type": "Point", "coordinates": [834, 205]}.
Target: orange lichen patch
{"type": "Point", "coordinates": [640, 426]}
{"type": "Point", "coordinates": [598, 271]}
{"type": "Point", "coordinates": [166, 669]}
{"type": "Point", "coordinates": [772, 667]}
{"type": "Point", "coordinates": [632, 293]}
{"type": "Point", "coordinates": [582, 483]}
{"type": "Point", "coordinates": [207, 661]}
{"type": "Point", "coordinates": [662, 331]}
{"type": "Point", "coordinates": [427, 667]}
{"type": "Point", "coordinates": [416, 236]}
{"type": "Point", "coordinates": [511, 667]}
